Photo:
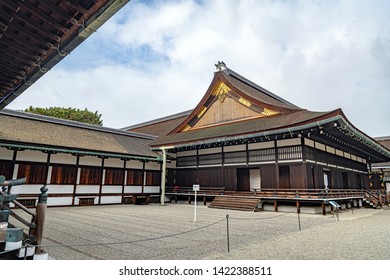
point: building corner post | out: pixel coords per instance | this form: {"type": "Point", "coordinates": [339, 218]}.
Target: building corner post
{"type": "Point", "coordinates": [163, 175]}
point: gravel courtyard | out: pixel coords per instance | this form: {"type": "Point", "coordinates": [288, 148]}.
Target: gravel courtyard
{"type": "Point", "coordinates": [147, 232]}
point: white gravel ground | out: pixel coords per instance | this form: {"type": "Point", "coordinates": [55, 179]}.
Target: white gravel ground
{"type": "Point", "coordinates": [168, 232]}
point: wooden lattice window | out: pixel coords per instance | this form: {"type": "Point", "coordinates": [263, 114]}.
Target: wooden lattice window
{"type": "Point", "coordinates": [6, 168]}
{"type": "Point", "coordinates": [35, 173]}
{"type": "Point", "coordinates": [153, 178]}
{"type": "Point", "coordinates": [114, 176]}
{"type": "Point", "coordinates": [135, 177]}
{"type": "Point", "coordinates": [63, 174]}
{"type": "Point", "coordinates": [90, 176]}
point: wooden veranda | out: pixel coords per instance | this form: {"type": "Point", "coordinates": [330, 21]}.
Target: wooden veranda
{"type": "Point", "coordinates": [255, 200]}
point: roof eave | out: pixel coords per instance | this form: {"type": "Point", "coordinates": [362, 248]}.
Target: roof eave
{"type": "Point", "coordinates": [79, 152]}
{"type": "Point", "coordinates": [342, 123]}
{"type": "Point", "coordinates": [84, 32]}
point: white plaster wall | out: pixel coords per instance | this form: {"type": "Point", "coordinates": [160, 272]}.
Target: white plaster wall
{"type": "Point", "coordinates": [330, 150]}
{"type": "Point", "coordinates": [288, 142]}
{"type": "Point", "coordinates": [235, 148]}
{"type": "Point", "coordinates": [26, 189]}
{"type": "Point", "coordinates": [112, 189]}
{"type": "Point", "coordinates": [152, 189]}
{"type": "Point", "coordinates": [186, 153]}
{"type": "Point", "coordinates": [113, 162]}
{"type": "Point", "coordinates": [133, 189]}
{"type": "Point", "coordinates": [261, 145]}
{"type": "Point", "coordinates": [339, 153]}
{"type": "Point", "coordinates": [110, 199]}
{"type": "Point", "coordinates": [34, 156]}
{"type": "Point", "coordinates": [309, 142]}
{"type": "Point", "coordinates": [217, 150]}
{"type": "Point", "coordinates": [135, 164]}
{"type": "Point", "coordinates": [49, 171]}
{"type": "Point", "coordinates": [171, 164]}
{"type": "Point", "coordinates": [60, 189]}
{"type": "Point", "coordinates": [16, 169]}
{"type": "Point", "coordinates": [87, 189]}
{"type": "Point", "coordinates": [320, 146]}
{"type": "Point", "coordinates": [63, 159]}
{"type": "Point", "coordinates": [90, 160]}
{"type": "Point", "coordinates": [57, 201]}
{"type": "Point", "coordinates": [152, 166]}
{"type": "Point", "coordinates": [6, 154]}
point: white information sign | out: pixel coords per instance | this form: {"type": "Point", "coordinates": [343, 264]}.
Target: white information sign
{"type": "Point", "coordinates": [195, 188]}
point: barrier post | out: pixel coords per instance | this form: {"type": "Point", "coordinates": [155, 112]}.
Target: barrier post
{"type": "Point", "coordinates": [40, 218]}
{"type": "Point", "coordinates": [227, 232]}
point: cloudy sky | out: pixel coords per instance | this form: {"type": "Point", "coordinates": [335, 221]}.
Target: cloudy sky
{"type": "Point", "coordinates": [156, 58]}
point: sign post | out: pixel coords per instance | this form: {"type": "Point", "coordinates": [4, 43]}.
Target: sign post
{"type": "Point", "coordinates": [195, 188]}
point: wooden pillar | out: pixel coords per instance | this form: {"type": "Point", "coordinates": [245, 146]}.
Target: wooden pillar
{"type": "Point", "coordinates": [163, 175]}
{"type": "Point", "coordinates": [323, 209]}
{"type": "Point", "coordinates": [77, 178]}
{"type": "Point", "coordinates": [40, 218]}
{"type": "Point", "coordinates": [101, 181]}
{"type": "Point", "coordinates": [276, 205]}
{"type": "Point", "coordinates": [298, 207]}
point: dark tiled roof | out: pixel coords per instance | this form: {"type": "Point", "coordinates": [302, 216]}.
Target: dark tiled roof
{"type": "Point", "coordinates": [384, 141]}
{"type": "Point", "coordinates": [27, 128]}
{"type": "Point", "coordinates": [160, 126]}
{"type": "Point", "coordinates": [245, 127]}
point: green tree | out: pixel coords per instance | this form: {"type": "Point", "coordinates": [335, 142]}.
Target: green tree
{"type": "Point", "coordinates": [73, 114]}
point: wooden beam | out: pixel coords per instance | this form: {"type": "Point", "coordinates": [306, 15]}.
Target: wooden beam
{"type": "Point", "coordinates": [43, 16]}
{"type": "Point", "coordinates": [15, 41]}
{"type": "Point", "coordinates": [58, 10]}
{"type": "Point", "coordinates": [41, 29]}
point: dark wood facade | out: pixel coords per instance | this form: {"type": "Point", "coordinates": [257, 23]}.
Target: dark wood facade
{"type": "Point", "coordinates": [282, 168]}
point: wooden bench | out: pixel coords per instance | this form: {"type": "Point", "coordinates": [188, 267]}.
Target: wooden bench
{"type": "Point", "coordinates": [204, 192]}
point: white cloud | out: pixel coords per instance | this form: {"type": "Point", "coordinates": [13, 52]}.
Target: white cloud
{"type": "Point", "coordinates": [157, 59]}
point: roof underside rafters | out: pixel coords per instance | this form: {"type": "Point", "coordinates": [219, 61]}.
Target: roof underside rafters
{"type": "Point", "coordinates": [36, 35]}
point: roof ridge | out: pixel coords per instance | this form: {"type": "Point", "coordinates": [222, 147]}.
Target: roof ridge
{"type": "Point", "coordinates": [230, 72]}
{"type": "Point", "coordinates": [154, 121]}
{"type": "Point", "coordinates": [49, 119]}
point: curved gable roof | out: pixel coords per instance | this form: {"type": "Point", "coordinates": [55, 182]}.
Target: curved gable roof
{"type": "Point", "coordinates": [254, 101]}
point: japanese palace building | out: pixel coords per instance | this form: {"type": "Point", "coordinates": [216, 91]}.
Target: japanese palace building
{"type": "Point", "coordinates": [243, 137]}
{"type": "Point", "coordinates": [240, 137]}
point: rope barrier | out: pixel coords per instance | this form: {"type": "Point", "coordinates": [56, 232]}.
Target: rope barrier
{"type": "Point", "coordinates": [148, 239]}
{"type": "Point", "coordinates": [258, 219]}
{"type": "Point", "coordinates": [130, 241]}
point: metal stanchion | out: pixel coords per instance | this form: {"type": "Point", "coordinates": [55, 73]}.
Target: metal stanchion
{"type": "Point", "coordinates": [227, 232]}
